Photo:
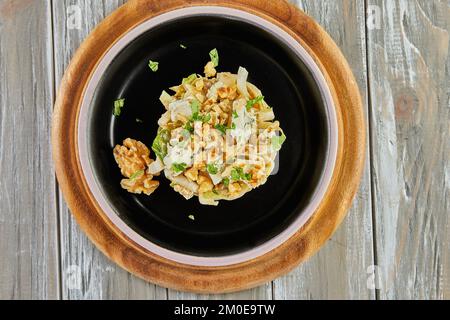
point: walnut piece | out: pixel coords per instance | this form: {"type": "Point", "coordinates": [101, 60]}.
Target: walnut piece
{"type": "Point", "coordinates": [210, 71]}
{"type": "Point", "coordinates": [187, 194]}
{"type": "Point", "coordinates": [192, 174]}
{"type": "Point", "coordinates": [144, 184]}
{"type": "Point", "coordinates": [133, 159]}
{"type": "Point", "coordinates": [205, 186]}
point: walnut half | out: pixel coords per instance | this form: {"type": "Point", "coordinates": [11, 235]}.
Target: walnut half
{"type": "Point", "coordinates": [133, 159]}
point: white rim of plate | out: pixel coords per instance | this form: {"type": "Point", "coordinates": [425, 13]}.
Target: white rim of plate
{"type": "Point", "coordinates": [321, 188]}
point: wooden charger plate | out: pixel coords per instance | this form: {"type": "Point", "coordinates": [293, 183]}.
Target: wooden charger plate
{"type": "Point", "coordinates": [144, 263]}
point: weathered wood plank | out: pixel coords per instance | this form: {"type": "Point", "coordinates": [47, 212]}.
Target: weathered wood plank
{"type": "Point", "coordinates": [87, 273]}
{"type": "Point", "coordinates": [28, 215]}
{"type": "Point", "coordinates": [339, 270]}
{"type": "Point", "coordinates": [410, 80]}
{"type": "Point", "coordinates": [261, 293]}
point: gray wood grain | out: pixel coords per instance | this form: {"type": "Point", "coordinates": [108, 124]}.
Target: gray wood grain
{"type": "Point", "coordinates": [410, 80]}
{"type": "Point", "coordinates": [339, 270]}
{"type": "Point", "coordinates": [86, 272]}
{"type": "Point", "coordinates": [28, 219]}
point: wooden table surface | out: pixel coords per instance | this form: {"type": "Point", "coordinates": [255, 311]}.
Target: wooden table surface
{"type": "Point", "coordinates": [394, 243]}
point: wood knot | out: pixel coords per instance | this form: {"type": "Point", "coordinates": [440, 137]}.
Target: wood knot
{"type": "Point", "coordinates": [11, 8]}
{"type": "Point", "coordinates": [405, 104]}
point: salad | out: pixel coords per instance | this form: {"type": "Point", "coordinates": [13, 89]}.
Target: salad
{"type": "Point", "coordinates": [217, 139]}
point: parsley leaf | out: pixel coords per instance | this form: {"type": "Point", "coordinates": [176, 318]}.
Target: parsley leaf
{"type": "Point", "coordinates": [252, 102]}
{"type": "Point", "coordinates": [235, 114]}
{"type": "Point", "coordinates": [136, 175]}
{"type": "Point", "coordinates": [235, 174]}
{"type": "Point", "coordinates": [212, 168]}
{"type": "Point", "coordinates": [179, 167]}
{"type": "Point", "coordinates": [222, 128]}
{"type": "Point", "coordinates": [214, 55]}
{"type": "Point", "coordinates": [188, 126]}
{"type": "Point", "coordinates": [195, 107]}
{"type": "Point", "coordinates": [226, 182]}
{"type": "Point", "coordinates": [197, 117]}
{"type": "Point", "coordinates": [206, 118]}
{"type": "Point", "coordinates": [238, 174]}
{"type": "Point", "coordinates": [118, 105]}
{"type": "Point", "coordinates": [153, 65]}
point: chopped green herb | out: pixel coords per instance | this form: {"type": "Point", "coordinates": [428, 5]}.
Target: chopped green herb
{"type": "Point", "coordinates": [179, 167]}
{"type": "Point", "coordinates": [240, 170]}
{"type": "Point", "coordinates": [235, 114]}
{"type": "Point", "coordinates": [214, 55]}
{"type": "Point", "coordinates": [136, 175]}
{"type": "Point", "coordinates": [238, 174]}
{"type": "Point", "coordinates": [197, 117]}
{"type": "Point", "coordinates": [212, 168]}
{"type": "Point", "coordinates": [206, 118]}
{"type": "Point", "coordinates": [139, 120]}
{"type": "Point", "coordinates": [159, 145]}
{"type": "Point", "coordinates": [222, 128]}
{"type": "Point", "coordinates": [153, 65]}
{"type": "Point", "coordinates": [190, 79]}
{"type": "Point", "coordinates": [252, 102]}
{"type": "Point", "coordinates": [235, 175]}
{"type": "Point", "coordinates": [118, 105]}
{"type": "Point", "coordinates": [188, 126]}
{"type": "Point", "coordinates": [277, 142]}
{"type": "Point", "coordinates": [182, 46]}
{"type": "Point", "coordinates": [191, 216]}
{"type": "Point", "coordinates": [226, 182]}
{"type": "Point", "coordinates": [195, 107]}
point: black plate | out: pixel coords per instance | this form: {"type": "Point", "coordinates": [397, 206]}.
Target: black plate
{"type": "Point", "coordinates": [289, 88]}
